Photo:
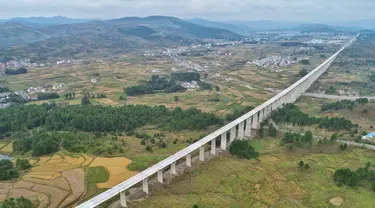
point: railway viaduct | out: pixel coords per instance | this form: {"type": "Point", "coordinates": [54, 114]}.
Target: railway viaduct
{"type": "Point", "coordinates": [238, 129]}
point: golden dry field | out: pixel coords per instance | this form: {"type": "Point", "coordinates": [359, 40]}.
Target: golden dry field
{"type": "Point", "coordinates": [117, 170]}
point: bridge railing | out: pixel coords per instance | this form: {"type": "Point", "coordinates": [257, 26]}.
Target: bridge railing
{"type": "Point", "coordinates": [237, 129]}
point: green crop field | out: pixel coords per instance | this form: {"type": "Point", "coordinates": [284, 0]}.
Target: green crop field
{"type": "Point", "coordinates": [272, 181]}
{"type": "Point", "coordinates": [95, 175]}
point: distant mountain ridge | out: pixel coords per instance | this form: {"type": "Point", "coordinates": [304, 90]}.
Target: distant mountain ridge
{"type": "Point", "coordinates": [237, 28]}
{"type": "Point", "coordinates": [39, 22]}
{"type": "Point", "coordinates": [104, 37]}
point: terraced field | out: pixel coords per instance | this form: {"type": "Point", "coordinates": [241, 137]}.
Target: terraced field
{"type": "Point", "coordinates": [272, 181]}
{"type": "Point", "coordinates": [59, 180]}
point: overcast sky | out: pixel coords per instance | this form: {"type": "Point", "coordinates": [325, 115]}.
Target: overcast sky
{"type": "Point", "coordinates": [284, 10]}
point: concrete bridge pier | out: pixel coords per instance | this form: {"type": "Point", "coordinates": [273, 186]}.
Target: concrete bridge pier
{"type": "Point", "coordinates": [249, 125]}
{"type": "Point", "coordinates": [255, 121]}
{"type": "Point", "coordinates": [232, 135]}
{"type": "Point", "coordinates": [160, 176]}
{"type": "Point", "coordinates": [201, 153]}
{"type": "Point", "coordinates": [145, 185]}
{"type": "Point", "coordinates": [188, 160]}
{"type": "Point", "coordinates": [213, 147]}
{"type": "Point", "coordinates": [223, 142]}
{"type": "Point", "coordinates": [123, 198]}
{"type": "Point", "coordinates": [241, 133]}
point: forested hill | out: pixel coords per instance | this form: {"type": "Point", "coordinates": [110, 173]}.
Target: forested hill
{"type": "Point", "coordinates": [94, 118]}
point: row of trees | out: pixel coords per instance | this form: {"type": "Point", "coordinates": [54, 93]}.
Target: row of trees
{"type": "Point", "coordinates": [297, 140]}
{"type": "Point", "coordinates": [47, 96]}
{"type": "Point", "coordinates": [16, 203]}
{"type": "Point", "coordinates": [92, 118]}
{"type": "Point", "coordinates": [362, 176]}
{"type": "Point", "coordinates": [21, 70]}
{"type": "Point", "coordinates": [186, 76]}
{"type": "Point", "coordinates": [46, 142]}
{"type": "Point", "coordinates": [243, 148]}
{"type": "Point", "coordinates": [343, 104]}
{"type": "Point", "coordinates": [157, 83]}
{"type": "Point", "coordinates": [291, 113]}
{"type": "Point", "coordinates": [4, 89]}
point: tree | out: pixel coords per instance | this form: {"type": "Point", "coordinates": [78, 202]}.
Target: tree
{"type": "Point", "coordinates": [346, 177]}
{"type": "Point", "coordinates": [16, 203]}
{"type": "Point", "coordinates": [305, 62]}
{"type": "Point", "coordinates": [175, 99]}
{"type": "Point", "coordinates": [48, 95]}
{"type": "Point", "coordinates": [373, 185]}
{"type": "Point", "coordinates": [243, 148]}
{"type": "Point", "coordinates": [149, 149]}
{"type": "Point", "coordinates": [343, 147]}
{"type": "Point", "coordinates": [331, 90]}
{"type": "Point", "coordinates": [85, 100]}
{"type": "Point", "coordinates": [7, 170]}
{"type": "Point", "coordinates": [362, 101]}
{"type": "Point", "coordinates": [301, 164]}
{"type": "Point", "coordinates": [21, 70]}
{"type": "Point", "coordinates": [303, 72]}
{"type": "Point", "coordinates": [334, 137]}
{"type": "Point", "coordinates": [217, 88]}
{"type": "Point", "coordinates": [22, 164]}
{"type": "Point", "coordinates": [272, 131]}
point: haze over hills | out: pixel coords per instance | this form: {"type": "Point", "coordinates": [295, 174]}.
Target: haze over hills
{"type": "Point", "coordinates": [105, 36]}
{"type": "Point", "coordinates": [41, 37]}
{"type": "Point", "coordinates": [40, 22]}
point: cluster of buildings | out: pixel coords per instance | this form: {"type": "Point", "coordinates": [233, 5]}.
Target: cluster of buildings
{"type": "Point", "coordinates": [190, 85]}
{"type": "Point", "coordinates": [45, 88]}
{"type": "Point", "coordinates": [4, 98]}
{"type": "Point", "coordinates": [275, 61]}
{"type": "Point", "coordinates": [19, 63]}
{"type": "Point", "coordinates": [68, 62]}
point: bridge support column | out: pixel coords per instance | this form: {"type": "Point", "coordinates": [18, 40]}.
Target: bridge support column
{"type": "Point", "coordinates": [241, 127]}
{"type": "Point", "coordinates": [160, 176]}
{"type": "Point", "coordinates": [201, 153]}
{"type": "Point", "coordinates": [255, 121]}
{"type": "Point", "coordinates": [188, 160]}
{"type": "Point", "coordinates": [123, 198]}
{"type": "Point", "coordinates": [213, 146]}
{"type": "Point", "coordinates": [248, 127]}
{"type": "Point", "coordinates": [223, 143]}
{"type": "Point", "coordinates": [266, 112]}
{"type": "Point", "coordinates": [232, 134]}
{"type": "Point", "coordinates": [173, 168]}
{"type": "Point", "coordinates": [145, 185]}
{"type": "Point", "coordinates": [261, 116]}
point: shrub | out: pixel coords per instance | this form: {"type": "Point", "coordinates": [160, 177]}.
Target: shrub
{"type": "Point", "coordinates": [242, 148]}
{"type": "Point", "coordinates": [16, 203]}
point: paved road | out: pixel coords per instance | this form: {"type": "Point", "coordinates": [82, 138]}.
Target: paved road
{"type": "Point", "coordinates": [335, 97]}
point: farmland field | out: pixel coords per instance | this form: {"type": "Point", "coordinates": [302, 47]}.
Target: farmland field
{"type": "Point", "coordinates": [59, 180]}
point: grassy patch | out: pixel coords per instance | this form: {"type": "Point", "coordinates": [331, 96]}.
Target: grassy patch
{"type": "Point", "coordinates": [273, 181]}
{"type": "Point", "coordinates": [143, 162]}
{"type": "Point", "coordinates": [95, 175]}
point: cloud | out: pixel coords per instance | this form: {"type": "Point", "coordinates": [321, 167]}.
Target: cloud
{"type": "Point", "coordinates": [290, 10]}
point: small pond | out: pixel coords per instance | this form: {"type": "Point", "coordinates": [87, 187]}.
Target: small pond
{"type": "Point", "coordinates": [5, 157]}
